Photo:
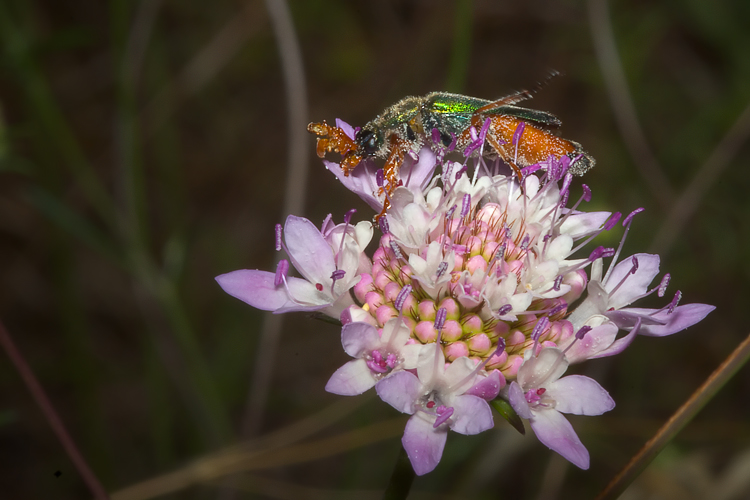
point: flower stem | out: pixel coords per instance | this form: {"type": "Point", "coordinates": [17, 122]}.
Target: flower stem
{"type": "Point", "coordinates": [681, 417]}
{"type": "Point", "coordinates": [97, 490]}
{"type": "Point", "coordinates": [401, 478]}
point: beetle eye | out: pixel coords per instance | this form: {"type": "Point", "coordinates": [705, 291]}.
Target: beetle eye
{"type": "Point", "coordinates": [368, 140]}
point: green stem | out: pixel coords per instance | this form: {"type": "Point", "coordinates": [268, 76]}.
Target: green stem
{"type": "Point", "coordinates": [401, 478]}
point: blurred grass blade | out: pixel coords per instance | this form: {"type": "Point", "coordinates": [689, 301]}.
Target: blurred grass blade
{"type": "Point", "coordinates": [56, 130]}
{"type": "Point", "coordinates": [680, 419]}
{"type": "Point", "coordinates": [70, 221]}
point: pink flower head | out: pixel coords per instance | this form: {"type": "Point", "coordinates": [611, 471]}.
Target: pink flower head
{"type": "Point", "coordinates": [479, 278]}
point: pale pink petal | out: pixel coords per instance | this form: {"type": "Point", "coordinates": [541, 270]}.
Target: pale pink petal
{"type": "Point", "coordinates": [418, 174]}
{"type": "Point", "coordinates": [308, 250]}
{"type": "Point", "coordinates": [472, 415]}
{"type": "Point", "coordinates": [582, 224]}
{"type": "Point", "coordinates": [395, 333]}
{"type": "Point", "coordinates": [547, 367]}
{"type": "Point", "coordinates": [400, 390]}
{"type": "Point", "coordinates": [358, 338]}
{"type": "Point", "coordinates": [348, 129]}
{"type": "Point", "coordinates": [410, 356]}
{"type": "Point", "coordinates": [555, 432]}
{"type": "Point", "coordinates": [427, 368]}
{"type": "Point", "coordinates": [595, 342]}
{"type": "Point", "coordinates": [328, 226]}
{"type": "Point", "coordinates": [488, 387]}
{"type": "Point", "coordinates": [580, 395]}
{"type": "Point", "coordinates": [518, 401]}
{"type": "Point", "coordinates": [635, 285]}
{"type": "Point", "coordinates": [661, 323]}
{"type": "Point", "coordinates": [257, 288]}
{"type": "Point", "coordinates": [457, 375]}
{"type": "Point", "coordinates": [351, 379]}
{"type": "Point", "coordinates": [361, 181]}
{"type": "Point", "coordinates": [423, 444]}
{"type": "Point", "coordinates": [618, 345]}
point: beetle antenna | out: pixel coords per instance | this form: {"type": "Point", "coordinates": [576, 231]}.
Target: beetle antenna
{"type": "Point", "coordinates": [553, 73]}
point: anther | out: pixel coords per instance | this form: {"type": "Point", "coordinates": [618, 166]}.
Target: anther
{"type": "Point", "coordinates": [518, 133]}
{"type": "Point", "coordinates": [500, 346]}
{"type": "Point", "coordinates": [442, 267]}
{"type": "Point", "coordinates": [634, 269]}
{"type": "Point", "coordinates": [396, 250]}
{"type": "Point", "coordinates": [675, 301]}
{"type": "Point", "coordinates": [583, 331]}
{"type": "Point", "coordinates": [440, 316]}
{"type": "Point", "coordinates": [567, 180]}
{"type": "Point", "coordinates": [586, 193]}
{"type": "Point", "coordinates": [564, 198]}
{"type": "Point", "coordinates": [447, 171]}
{"type": "Point", "coordinates": [663, 285]}
{"type": "Point", "coordinates": [540, 326]}
{"type": "Point", "coordinates": [612, 221]}
{"type": "Point", "coordinates": [466, 205]}
{"type": "Point", "coordinates": [558, 282]}
{"type": "Point", "coordinates": [450, 212]}
{"type": "Point", "coordinates": [485, 129]}
{"type": "Point", "coordinates": [349, 214]}
{"type": "Point", "coordinates": [504, 310]}
{"type": "Point", "coordinates": [444, 413]}
{"type": "Point", "coordinates": [454, 142]}
{"type": "Point", "coordinates": [596, 253]}
{"type": "Point", "coordinates": [435, 136]}
{"type": "Point", "coordinates": [460, 172]}
{"type": "Point", "coordinates": [278, 237]}
{"type": "Point", "coordinates": [631, 215]}
{"type": "Point", "coordinates": [282, 269]}
{"type": "Point", "coordinates": [525, 242]}
{"type": "Point", "coordinates": [338, 274]}
{"type": "Point", "coordinates": [383, 224]}
{"type": "Point", "coordinates": [558, 308]}
{"type": "Point", "coordinates": [500, 253]}
{"type": "Point", "coordinates": [401, 297]}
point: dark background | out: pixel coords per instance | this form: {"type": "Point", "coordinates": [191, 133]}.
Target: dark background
{"type": "Point", "coordinates": [144, 150]}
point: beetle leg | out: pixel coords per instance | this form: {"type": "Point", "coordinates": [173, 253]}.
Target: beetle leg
{"type": "Point", "coordinates": [331, 139]}
{"type": "Point", "coordinates": [396, 156]}
{"type": "Point", "coordinates": [501, 153]}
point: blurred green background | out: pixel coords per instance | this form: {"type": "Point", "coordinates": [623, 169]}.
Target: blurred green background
{"type": "Point", "coordinates": [144, 150]}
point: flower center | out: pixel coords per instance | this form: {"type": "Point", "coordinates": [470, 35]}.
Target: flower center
{"type": "Point", "coordinates": [380, 365]}
{"type": "Point", "coordinates": [536, 399]}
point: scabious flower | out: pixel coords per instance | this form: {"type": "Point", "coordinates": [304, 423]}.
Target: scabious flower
{"type": "Point", "coordinates": [439, 397]}
{"type": "Point", "coordinates": [329, 261]}
{"type": "Point", "coordinates": [469, 295]}
{"type": "Point", "coordinates": [541, 396]}
{"type": "Point", "coordinates": [378, 354]}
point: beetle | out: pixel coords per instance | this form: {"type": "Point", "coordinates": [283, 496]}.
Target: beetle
{"type": "Point", "coordinates": [518, 136]}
